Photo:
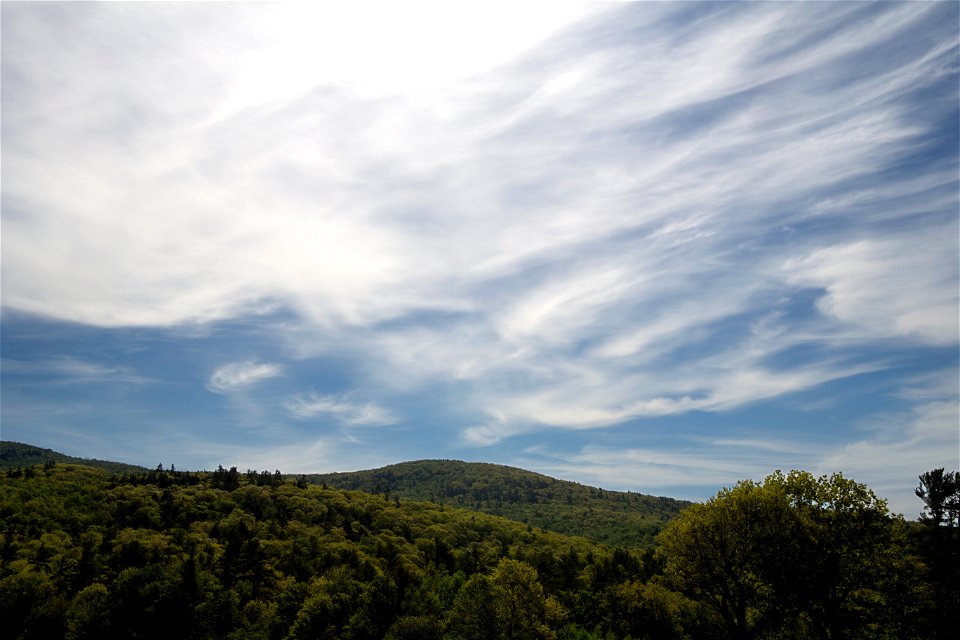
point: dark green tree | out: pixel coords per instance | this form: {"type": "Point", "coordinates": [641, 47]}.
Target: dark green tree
{"type": "Point", "coordinates": [89, 613]}
{"type": "Point", "coordinates": [940, 492]}
{"type": "Point", "coordinates": [646, 610]}
{"type": "Point", "coordinates": [714, 554]}
{"type": "Point", "coordinates": [940, 547]}
{"type": "Point", "coordinates": [415, 628]}
{"type": "Point", "coordinates": [473, 615]}
{"type": "Point", "coordinates": [845, 570]}
{"type": "Point", "coordinates": [796, 556]}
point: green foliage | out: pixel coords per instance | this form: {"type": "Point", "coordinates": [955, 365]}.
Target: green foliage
{"type": "Point", "coordinates": [798, 557]}
{"type": "Point", "coordinates": [474, 613]}
{"type": "Point", "coordinates": [415, 628]}
{"type": "Point", "coordinates": [87, 615]}
{"type": "Point", "coordinates": [940, 492]}
{"type": "Point", "coordinates": [647, 610]}
{"type": "Point", "coordinates": [518, 601]}
{"type": "Point", "coordinates": [938, 543]}
{"type": "Point", "coordinates": [611, 517]}
{"type": "Point", "coordinates": [509, 604]}
{"type": "Point", "coordinates": [84, 553]}
{"type": "Point", "coordinates": [157, 554]}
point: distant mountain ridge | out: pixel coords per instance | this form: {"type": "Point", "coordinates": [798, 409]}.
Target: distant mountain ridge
{"type": "Point", "coordinates": [224, 554]}
{"type": "Point", "coordinates": [612, 517]}
{"type": "Point", "coordinates": [19, 454]}
{"type": "Point", "coordinates": [615, 518]}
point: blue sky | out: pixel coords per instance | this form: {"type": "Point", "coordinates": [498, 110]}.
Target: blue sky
{"type": "Point", "coordinates": [659, 247]}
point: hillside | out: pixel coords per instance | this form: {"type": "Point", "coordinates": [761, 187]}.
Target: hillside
{"type": "Point", "coordinates": [616, 518]}
{"type": "Point", "coordinates": [160, 553]}
{"type": "Point", "coordinates": [18, 454]}
{"type": "Point", "coordinates": [166, 554]}
{"type": "Point", "coordinates": [612, 517]}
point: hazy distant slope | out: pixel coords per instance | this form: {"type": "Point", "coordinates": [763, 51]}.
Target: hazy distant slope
{"type": "Point", "coordinates": [612, 517]}
{"type": "Point", "coordinates": [18, 454]}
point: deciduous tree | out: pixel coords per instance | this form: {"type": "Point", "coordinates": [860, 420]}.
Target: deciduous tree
{"type": "Point", "coordinates": [811, 557]}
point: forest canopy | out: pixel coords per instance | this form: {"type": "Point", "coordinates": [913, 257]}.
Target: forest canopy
{"type": "Point", "coordinates": [620, 518]}
{"type": "Point", "coordinates": [86, 553]}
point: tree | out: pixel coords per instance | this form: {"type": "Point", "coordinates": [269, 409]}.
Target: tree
{"type": "Point", "coordinates": [519, 601]}
{"type": "Point", "coordinates": [89, 613]}
{"type": "Point", "coordinates": [646, 610]}
{"type": "Point", "coordinates": [415, 628]}
{"type": "Point", "coordinates": [846, 574]}
{"type": "Point", "coordinates": [714, 554]}
{"type": "Point", "coordinates": [940, 546]}
{"type": "Point", "coordinates": [509, 604]}
{"type": "Point", "coordinates": [473, 615]}
{"type": "Point", "coordinates": [796, 556]}
{"type": "Point", "coordinates": [940, 492]}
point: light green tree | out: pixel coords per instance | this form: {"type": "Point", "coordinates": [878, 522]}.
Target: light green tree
{"type": "Point", "coordinates": [89, 613]}
{"type": "Point", "coordinates": [509, 604]}
{"type": "Point", "coordinates": [519, 601]}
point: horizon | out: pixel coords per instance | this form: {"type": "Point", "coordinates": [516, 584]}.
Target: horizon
{"type": "Point", "coordinates": [172, 466]}
{"type": "Point", "coordinates": [653, 247]}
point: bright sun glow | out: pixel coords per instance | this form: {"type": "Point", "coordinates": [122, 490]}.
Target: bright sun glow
{"type": "Point", "coordinates": [382, 49]}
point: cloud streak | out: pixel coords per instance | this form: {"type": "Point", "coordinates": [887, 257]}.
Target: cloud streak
{"type": "Point", "coordinates": [626, 214]}
{"type": "Point", "coordinates": [350, 414]}
{"type": "Point", "coordinates": [237, 376]}
{"type": "Point", "coordinates": [68, 370]}
{"type": "Point", "coordinates": [889, 288]}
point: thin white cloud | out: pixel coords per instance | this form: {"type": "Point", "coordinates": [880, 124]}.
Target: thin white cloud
{"type": "Point", "coordinates": [236, 376]}
{"type": "Point", "coordinates": [900, 447]}
{"type": "Point", "coordinates": [903, 287]}
{"type": "Point", "coordinates": [888, 453]}
{"type": "Point", "coordinates": [312, 456]}
{"type": "Point", "coordinates": [303, 455]}
{"type": "Point", "coordinates": [649, 470]}
{"type": "Point", "coordinates": [630, 220]}
{"type": "Point", "coordinates": [347, 413]}
{"type": "Point", "coordinates": [493, 431]}
{"type": "Point", "coordinates": [67, 370]}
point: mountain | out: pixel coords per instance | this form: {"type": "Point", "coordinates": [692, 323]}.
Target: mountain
{"type": "Point", "coordinates": [611, 517]}
{"type": "Point", "coordinates": [616, 518]}
{"type": "Point", "coordinates": [18, 454]}
{"type": "Point", "coordinates": [223, 554]}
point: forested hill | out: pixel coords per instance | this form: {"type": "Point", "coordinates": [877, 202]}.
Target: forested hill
{"type": "Point", "coordinates": [175, 554]}
{"type": "Point", "coordinates": [612, 517]}
{"type": "Point", "coordinates": [18, 454]}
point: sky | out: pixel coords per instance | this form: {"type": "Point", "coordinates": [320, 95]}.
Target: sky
{"type": "Point", "coordinates": [658, 247]}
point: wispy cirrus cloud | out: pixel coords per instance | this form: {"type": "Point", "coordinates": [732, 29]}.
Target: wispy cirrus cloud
{"type": "Point", "coordinates": [895, 287]}
{"type": "Point", "coordinates": [314, 405]}
{"type": "Point", "coordinates": [894, 448]}
{"type": "Point", "coordinates": [887, 452]}
{"type": "Point", "coordinates": [661, 211]}
{"type": "Point", "coordinates": [69, 370]}
{"type": "Point", "coordinates": [236, 376]}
